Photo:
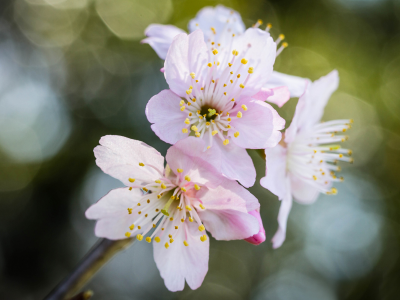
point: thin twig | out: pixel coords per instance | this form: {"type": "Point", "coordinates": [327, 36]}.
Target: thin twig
{"type": "Point", "coordinates": [97, 257]}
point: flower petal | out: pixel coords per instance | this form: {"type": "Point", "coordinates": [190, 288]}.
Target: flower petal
{"type": "Point", "coordinates": [225, 214]}
{"type": "Point", "coordinates": [112, 213]}
{"type": "Point", "coordinates": [278, 95]}
{"type": "Point", "coordinates": [236, 164]}
{"type": "Point", "coordinates": [224, 20]}
{"type": "Point", "coordinates": [163, 110]}
{"type": "Point", "coordinates": [160, 37]}
{"type": "Point", "coordinates": [119, 157]}
{"type": "Point", "coordinates": [303, 192]}
{"type": "Point", "coordinates": [275, 178]}
{"type": "Point", "coordinates": [296, 85]}
{"type": "Point", "coordinates": [202, 167]}
{"type": "Point", "coordinates": [258, 127]}
{"type": "Point", "coordinates": [286, 206]}
{"type": "Point", "coordinates": [179, 262]}
{"type": "Point", "coordinates": [259, 237]}
{"type": "Point", "coordinates": [187, 54]}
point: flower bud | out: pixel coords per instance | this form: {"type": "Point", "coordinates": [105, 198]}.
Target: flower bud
{"type": "Point", "coordinates": [259, 237]}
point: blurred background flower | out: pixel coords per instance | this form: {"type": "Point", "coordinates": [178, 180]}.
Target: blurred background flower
{"type": "Point", "coordinates": [72, 71]}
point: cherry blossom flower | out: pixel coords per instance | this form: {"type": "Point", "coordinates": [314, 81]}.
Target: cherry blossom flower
{"type": "Point", "coordinates": [213, 96]}
{"type": "Point", "coordinates": [172, 206]}
{"type": "Point", "coordinates": [303, 165]}
{"type": "Point", "coordinates": [219, 24]}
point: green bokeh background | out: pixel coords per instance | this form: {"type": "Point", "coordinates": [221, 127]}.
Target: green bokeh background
{"type": "Point", "coordinates": [72, 71]}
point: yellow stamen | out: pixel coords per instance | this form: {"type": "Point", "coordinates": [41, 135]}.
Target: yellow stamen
{"type": "Point", "coordinates": [187, 178]}
{"type": "Point", "coordinates": [180, 170]}
{"type": "Point", "coordinates": [241, 85]}
{"type": "Point", "coordinates": [215, 51]}
{"type": "Point", "coordinates": [185, 243]}
{"type": "Point", "coordinates": [203, 238]}
{"type": "Point", "coordinates": [148, 239]}
{"type": "Point", "coordinates": [244, 107]}
{"type": "Point", "coordinates": [192, 75]}
{"type": "Point", "coordinates": [187, 121]}
{"type": "Point", "coordinates": [196, 187]}
{"type": "Point", "coordinates": [184, 130]}
{"type": "Point", "coordinates": [183, 108]}
{"type": "Point", "coordinates": [141, 164]}
{"type": "Point", "coordinates": [139, 237]}
{"type": "Point", "coordinates": [201, 206]}
{"type": "Point", "coordinates": [251, 70]}
{"type": "Point", "coordinates": [201, 227]}
{"type": "Point", "coordinates": [236, 134]}
{"type": "Point", "coordinates": [157, 239]}
{"type": "Point", "coordinates": [171, 241]}
{"type": "Point", "coordinates": [209, 64]}
{"type": "Point", "coordinates": [239, 114]}
{"type": "Point", "coordinates": [190, 219]}
{"type": "Point", "coordinates": [197, 134]}
{"type": "Point", "coordinates": [158, 181]}
{"type": "Point", "coordinates": [127, 234]}
{"type": "Point", "coordinates": [244, 61]}
{"type": "Point", "coordinates": [166, 245]}
{"type": "Point", "coordinates": [132, 227]}
{"type": "Point", "coordinates": [130, 211]}
{"type": "Point", "coordinates": [214, 132]}
{"type": "Point", "coordinates": [194, 128]}
{"type": "Point", "coordinates": [163, 186]}
{"type": "Point", "coordinates": [281, 36]}
{"type": "Point", "coordinates": [131, 180]}
{"type": "Point", "coordinates": [188, 208]}
{"type": "Point", "coordinates": [183, 189]}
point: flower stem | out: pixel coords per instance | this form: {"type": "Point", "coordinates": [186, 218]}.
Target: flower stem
{"type": "Point", "coordinates": [96, 258]}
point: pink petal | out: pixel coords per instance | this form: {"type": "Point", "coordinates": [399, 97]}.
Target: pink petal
{"type": "Point", "coordinates": [258, 127]}
{"type": "Point", "coordinates": [259, 237]}
{"type": "Point", "coordinates": [163, 110]}
{"type": "Point", "coordinates": [236, 164]}
{"type": "Point", "coordinates": [303, 192]}
{"type": "Point", "coordinates": [179, 262]}
{"type": "Point", "coordinates": [296, 85]}
{"type": "Point", "coordinates": [225, 214]}
{"type": "Point", "coordinates": [217, 18]}
{"type": "Point", "coordinates": [279, 95]}
{"type": "Point", "coordinates": [112, 213]}
{"type": "Point", "coordinates": [119, 157]}
{"type": "Point", "coordinates": [202, 167]}
{"type": "Point", "coordinates": [275, 179]}
{"type": "Point", "coordinates": [188, 53]}
{"type": "Point", "coordinates": [259, 49]}
{"type": "Point", "coordinates": [286, 206]}
{"type": "Point", "coordinates": [160, 37]}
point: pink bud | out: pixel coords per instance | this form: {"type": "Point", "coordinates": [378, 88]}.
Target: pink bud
{"type": "Point", "coordinates": [162, 70]}
{"type": "Point", "coordinates": [259, 237]}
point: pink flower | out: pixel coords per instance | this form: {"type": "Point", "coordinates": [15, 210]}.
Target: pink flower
{"type": "Point", "coordinates": [210, 97]}
{"type": "Point", "coordinates": [218, 25]}
{"type": "Point", "coordinates": [304, 164]}
{"type": "Point", "coordinates": [259, 237]}
{"type": "Point", "coordinates": [173, 206]}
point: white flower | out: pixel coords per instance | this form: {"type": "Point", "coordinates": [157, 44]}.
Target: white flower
{"type": "Point", "coordinates": [304, 164]}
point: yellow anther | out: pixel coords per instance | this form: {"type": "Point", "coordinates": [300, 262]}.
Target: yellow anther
{"type": "Point", "coordinates": [203, 238]}
{"type": "Point", "coordinates": [284, 45]}
{"type": "Point", "coordinates": [194, 128]}
{"type": "Point", "coordinates": [190, 219]}
{"type": "Point", "coordinates": [209, 64]}
{"type": "Point", "coordinates": [281, 36]}
{"type": "Point", "coordinates": [239, 114]}
{"type": "Point", "coordinates": [180, 170]}
{"type": "Point", "coordinates": [188, 208]}
{"type": "Point", "coordinates": [181, 103]}
{"type": "Point", "coordinates": [171, 219]}
{"type": "Point", "coordinates": [231, 81]}
{"type": "Point", "coordinates": [139, 212]}
{"type": "Point", "coordinates": [226, 142]}
{"type": "Point", "coordinates": [214, 132]}
{"type": "Point", "coordinates": [213, 81]}
{"type": "Point", "coordinates": [213, 30]}
{"type": "Point", "coordinates": [236, 134]}
{"type": "Point", "coordinates": [215, 51]}
{"type": "Point", "coordinates": [184, 130]}
{"type": "Point", "coordinates": [241, 85]}
{"type": "Point", "coordinates": [130, 211]}
{"type": "Point", "coordinates": [158, 181]}
{"type": "Point", "coordinates": [202, 88]}
{"type": "Point", "coordinates": [158, 196]}
{"type": "Point", "coordinates": [130, 188]}
{"type": "Point", "coordinates": [208, 147]}
{"type": "Point", "coordinates": [170, 236]}
{"type": "Point", "coordinates": [157, 239]}
{"type": "Point", "coordinates": [182, 220]}
{"type": "Point", "coordinates": [166, 245]}
{"type": "Point", "coordinates": [340, 155]}
{"type": "Point", "coordinates": [183, 108]}
{"type": "Point", "coordinates": [145, 215]}
{"type": "Point", "coordinates": [244, 61]}
{"type": "Point", "coordinates": [131, 180]}
{"type": "Point", "coordinates": [145, 189]}
{"type": "Point", "coordinates": [132, 227]}
{"type": "Point", "coordinates": [238, 76]}
{"type": "Point", "coordinates": [187, 121]}
{"type": "Point", "coordinates": [334, 191]}
{"type": "Point", "coordinates": [235, 52]}
{"type": "Point", "coordinates": [163, 186]}
{"type": "Point", "coordinates": [127, 234]}
{"type": "Point", "coordinates": [183, 189]}
{"type": "Point", "coordinates": [192, 75]}
{"type": "Point", "coordinates": [141, 164]}
{"type": "Point", "coordinates": [187, 178]}
{"type": "Point", "coordinates": [139, 227]}
{"type": "Point", "coordinates": [233, 99]}
{"type": "Point", "coordinates": [197, 134]}
{"type": "Point", "coordinates": [269, 25]}
{"type": "Point", "coordinates": [171, 241]}
{"type": "Point", "coordinates": [138, 204]}
{"type": "Point", "coordinates": [314, 177]}
{"type": "Point", "coordinates": [176, 227]}
{"type": "Point", "coordinates": [196, 187]}
{"type": "Point", "coordinates": [251, 70]}
{"type": "Point", "coordinates": [349, 152]}
{"type": "Point", "coordinates": [185, 243]}
{"type": "Point", "coordinates": [208, 123]}
{"type": "Point", "coordinates": [229, 119]}
{"type": "Point", "coordinates": [148, 239]}
{"type": "Point", "coordinates": [229, 64]}
{"type": "Point", "coordinates": [202, 228]}
{"type": "Point", "coordinates": [259, 21]}
{"type": "Point", "coordinates": [244, 107]}
{"type": "Point", "coordinates": [139, 237]}
{"type": "Point", "coordinates": [154, 225]}
{"type": "Point", "coordinates": [157, 210]}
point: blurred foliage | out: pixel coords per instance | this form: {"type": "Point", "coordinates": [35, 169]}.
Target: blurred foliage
{"type": "Point", "coordinates": [72, 71]}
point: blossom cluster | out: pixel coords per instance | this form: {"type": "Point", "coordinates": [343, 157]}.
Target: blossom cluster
{"type": "Point", "coordinates": [220, 78]}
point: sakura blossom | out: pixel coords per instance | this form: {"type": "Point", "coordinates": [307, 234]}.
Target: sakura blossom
{"type": "Point", "coordinates": [303, 165]}
{"type": "Point", "coordinates": [172, 206]}
{"type": "Point", "coordinates": [214, 96]}
{"type": "Point", "coordinates": [220, 25]}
